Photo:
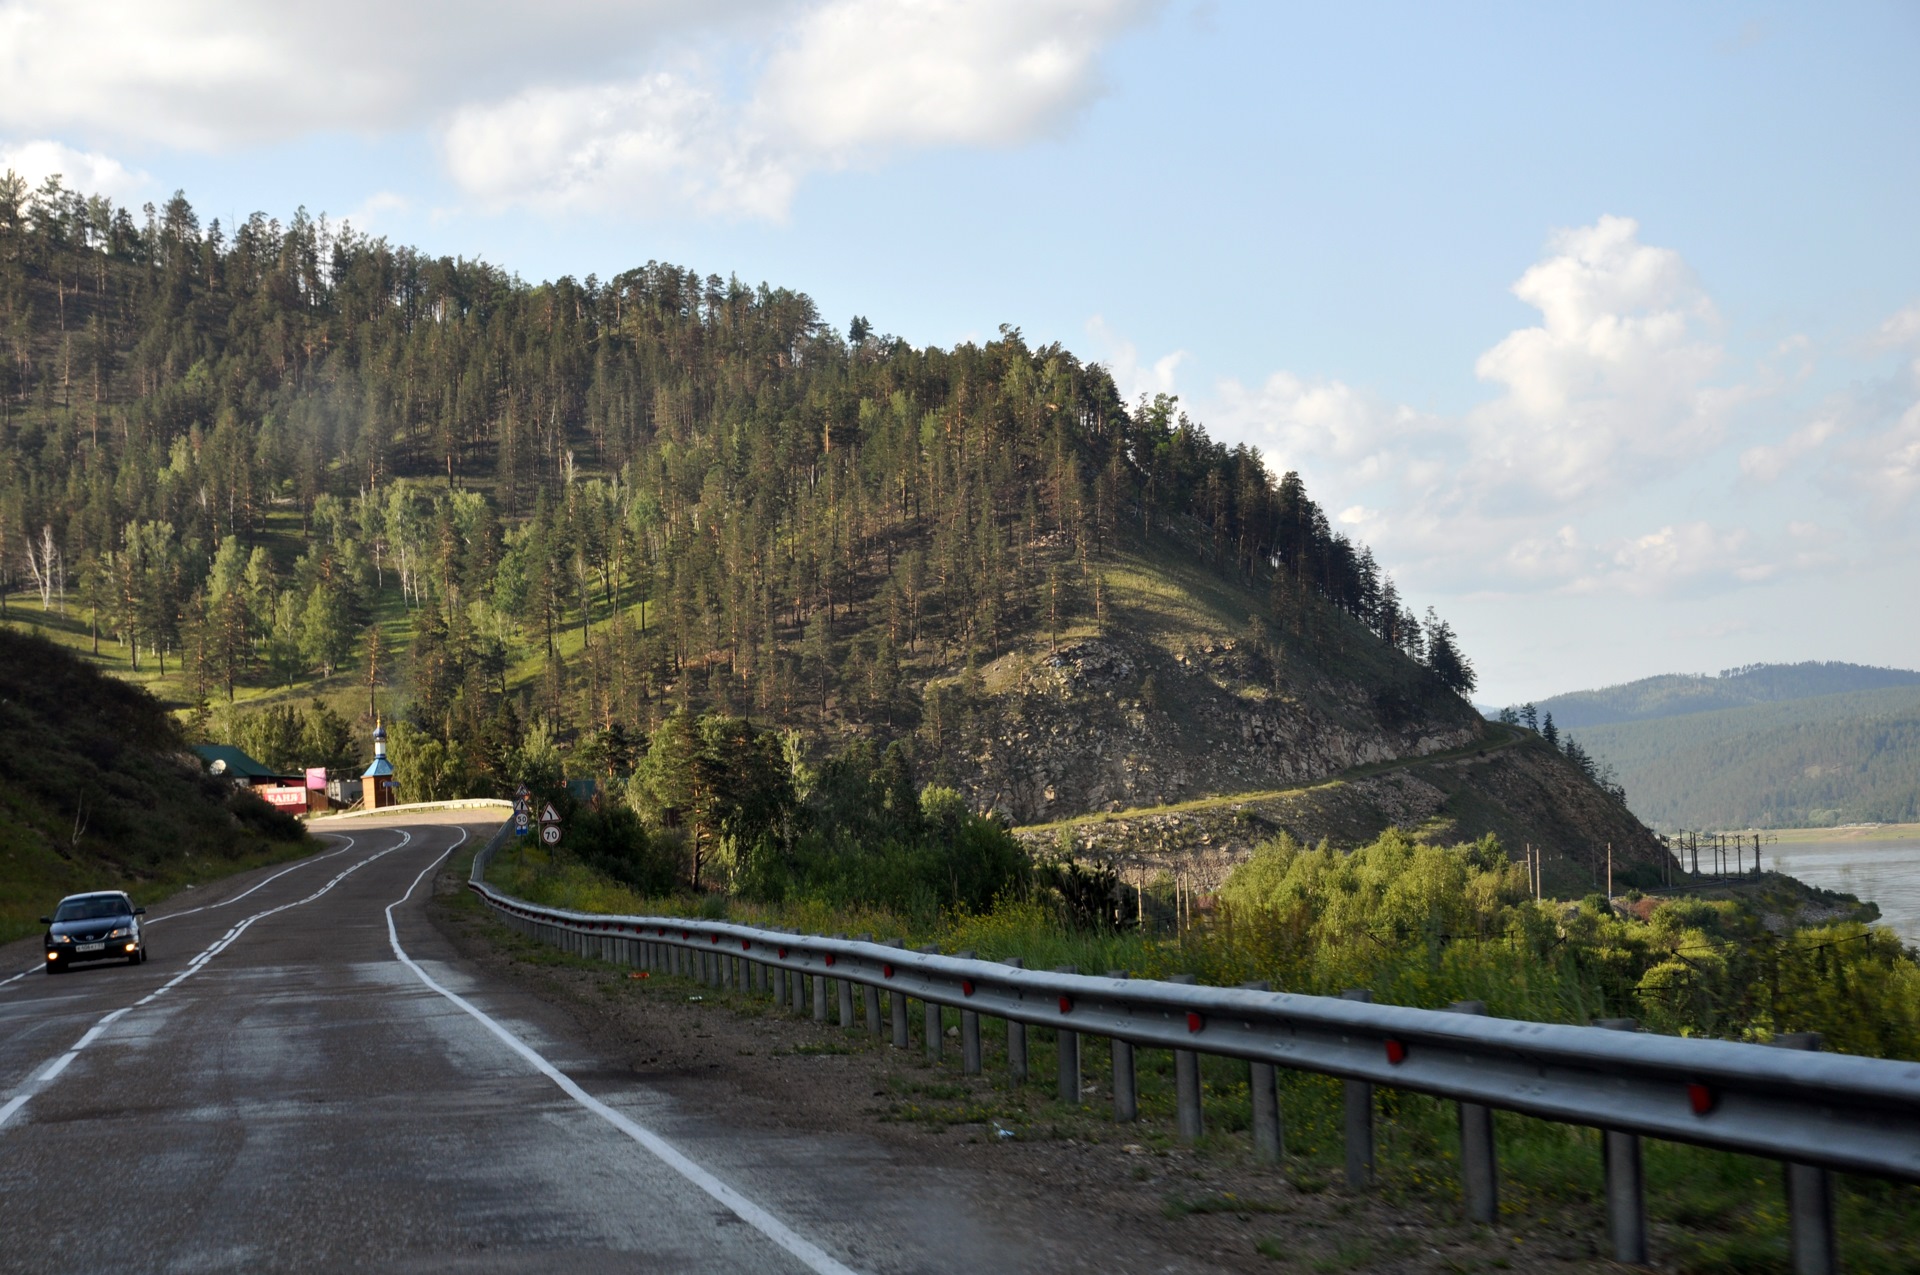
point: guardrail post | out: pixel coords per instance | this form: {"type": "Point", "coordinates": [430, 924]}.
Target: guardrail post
{"type": "Point", "coordinates": [1191, 1120]}
{"type": "Point", "coordinates": [1810, 1237]}
{"type": "Point", "coordinates": [1626, 1180]}
{"type": "Point", "coordinates": [935, 1042]}
{"type": "Point", "coordinates": [1016, 1037]}
{"type": "Point", "coordinates": [1066, 1050]}
{"type": "Point", "coordinates": [1263, 1093]}
{"type": "Point", "coordinates": [969, 1033]}
{"type": "Point", "coordinates": [843, 995]}
{"type": "Point", "coordinates": [1359, 1103]}
{"type": "Point", "coordinates": [778, 977]}
{"type": "Point", "coordinates": [870, 993]}
{"type": "Point", "coordinates": [1126, 1084]}
{"type": "Point", "coordinates": [1479, 1170]}
{"type": "Point", "coordinates": [897, 1004]}
{"type": "Point", "coordinates": [820, 990]}
{"type": "Point", "coordinates": [797, 988]}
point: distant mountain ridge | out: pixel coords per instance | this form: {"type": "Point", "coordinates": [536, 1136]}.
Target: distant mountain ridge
{"type": "Point", "coordinates": [1679, 694]}
{"type": "Point", "coordinates": [1813, 762]}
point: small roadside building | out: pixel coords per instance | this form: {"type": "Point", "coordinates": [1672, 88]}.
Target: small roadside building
{"type": "Point", "coordinates": [283, 792]}
{"type": "Point", "coordinates": [377, 784]}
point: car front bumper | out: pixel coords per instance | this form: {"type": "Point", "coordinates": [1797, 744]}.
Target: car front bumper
{"type": "Point", "coordinates": [72, 954]}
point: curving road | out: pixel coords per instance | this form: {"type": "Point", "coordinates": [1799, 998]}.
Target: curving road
{"type": "Point", "coordinates": [303, 1077]}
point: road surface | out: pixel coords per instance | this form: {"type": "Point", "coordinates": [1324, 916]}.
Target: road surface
{"type": "Point", "coordinates": [304, 1077]}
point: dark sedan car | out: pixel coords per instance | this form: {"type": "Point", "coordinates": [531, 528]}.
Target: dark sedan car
{"type": "Point", "coordinates": [102, 926]}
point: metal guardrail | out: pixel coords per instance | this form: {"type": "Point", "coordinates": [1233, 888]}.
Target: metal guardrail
{"type": "Point", "coordinates": [1813, 1111]}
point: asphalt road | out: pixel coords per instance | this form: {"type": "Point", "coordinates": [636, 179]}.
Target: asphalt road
{"type": "Point", "coordinates": [304, 1077]}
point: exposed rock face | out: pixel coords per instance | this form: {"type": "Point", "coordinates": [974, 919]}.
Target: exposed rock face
{"type": "Point", "coordinates": [1113, 724]}
{"type": "Point", "coordinates": [1515, 788]}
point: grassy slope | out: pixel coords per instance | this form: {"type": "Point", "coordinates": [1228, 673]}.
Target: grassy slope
{"type": "Point", "coordinates": [95, 792]}
{"type": "Point", "coordinates": [1833, 759]}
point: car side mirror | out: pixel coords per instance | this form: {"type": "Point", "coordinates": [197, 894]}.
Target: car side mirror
{"type": "Point", "coordinates": [139, 911]}
{"type": "Point", "coordinates": [46, 920]}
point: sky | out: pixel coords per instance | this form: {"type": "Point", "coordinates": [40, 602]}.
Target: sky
{"type": "Point", "coordinates": [1600, 324]}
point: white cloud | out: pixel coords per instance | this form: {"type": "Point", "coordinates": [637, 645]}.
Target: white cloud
{"type": "Point", "coordinates": [83, 171]}
{"type": "Point", "coordinates": [1619, 382]}
{"type": "Point", "coordinates": [863, 73]}
{"type": "Point", "coordinates": [849, 81]}
{"type": "Point", "coordinates": [1130, 376]}
{"type": "Point", "coordinates": [615, 104]}
{"type": "Point", "coordinates": [1901, 328]}
{"type": "Point", "coordinates": [1616, 378]}
{"type": "Point", "coordinates": [1768, 464]}
{"type": "Point", "coordinates": [215, 73]}
{"type": "Point", "coordinates": [644, 145]}
{"type": "Point", "coordinates": [1886, 466]}
{"type": "Point", "coordinates": [1658, 560]}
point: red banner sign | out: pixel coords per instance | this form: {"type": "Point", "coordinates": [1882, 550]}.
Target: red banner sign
{"type": "Point", "coordinates": [285, 798]}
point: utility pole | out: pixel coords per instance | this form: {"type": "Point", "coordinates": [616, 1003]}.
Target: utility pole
{"type": "Point", "coordinates": [1609, 872]}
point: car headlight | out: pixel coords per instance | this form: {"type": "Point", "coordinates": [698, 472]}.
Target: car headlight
{"type": "Point", "coordinates": [122, 932]}
{"type": "Point", "coordinates": [63, 938]}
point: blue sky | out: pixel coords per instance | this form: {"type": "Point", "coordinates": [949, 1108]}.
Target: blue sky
{"type": "Point", "coordinates": [1601, 325]}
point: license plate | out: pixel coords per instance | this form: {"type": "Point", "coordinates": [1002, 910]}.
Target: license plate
{"type": "Point", "coordinates": [89, 947]}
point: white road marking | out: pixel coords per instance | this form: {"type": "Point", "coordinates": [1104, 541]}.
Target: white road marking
{"type": "Point", "coordinates": [35, 969]}
{"type": "Point", "coordinates": [198, 963]}
{"type": "Point", "coordinates": [815, 1258]}
{"type": "Point", "coordinates": [208, 907]}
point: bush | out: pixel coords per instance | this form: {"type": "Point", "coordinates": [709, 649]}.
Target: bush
{"type": "Point", "coordinates": [614, 841]}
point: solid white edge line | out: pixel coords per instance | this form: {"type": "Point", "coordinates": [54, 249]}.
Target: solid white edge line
{"type": "Point", "coordinates": [815, 1258]}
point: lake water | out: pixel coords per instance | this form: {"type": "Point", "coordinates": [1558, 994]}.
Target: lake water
{"type": "Point", "coordinates": [1887, 872]}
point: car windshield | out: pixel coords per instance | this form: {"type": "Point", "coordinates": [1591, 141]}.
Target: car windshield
{"type": "Point", "coordinates": [96, 909]}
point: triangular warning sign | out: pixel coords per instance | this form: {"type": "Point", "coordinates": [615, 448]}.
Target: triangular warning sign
{"type": "Point", "coordinates": [549, 815]}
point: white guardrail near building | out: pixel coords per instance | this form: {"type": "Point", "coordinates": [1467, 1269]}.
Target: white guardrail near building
{"type": "Point", "coordinates": [1815, 1112]}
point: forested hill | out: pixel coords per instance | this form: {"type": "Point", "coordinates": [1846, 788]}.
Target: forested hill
{"type": "Point", "coordinates": [279, 460]}
{"type": "Point", "coordinates": [1814, 761]}
{"type": "Point", "coordinates": [1674, 694]}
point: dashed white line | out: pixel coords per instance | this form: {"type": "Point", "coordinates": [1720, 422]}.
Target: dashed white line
{"type": "Point", "coordinates": [199, 962]}
{"type": "Point", "coordinates": [815, 1258]}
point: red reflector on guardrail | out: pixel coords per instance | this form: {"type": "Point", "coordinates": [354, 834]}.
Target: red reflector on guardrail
{"type": "Point", "coordinates": [1396, 1052]}
{"type": "Point", "coordinates": [716, 940]}
{"type": "Point", "coordinates": [1700, 1098]}
{"type": "Point", "coordinates": [1066, 1004]}
{"type": "Point", "coordinates": [886, 971]}
{"type": "Point", "coordinates": [1195, 1022]}
{"type": "Point", "coordinates": [746, 945]}
{"type": "Point", "coordinates": [966, 987]}
{"type": "Point", "coordinates": [783, 953]}
{"type": "Point", "coordinates": [829, 958]}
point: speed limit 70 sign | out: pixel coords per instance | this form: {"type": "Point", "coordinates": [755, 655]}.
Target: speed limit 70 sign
{"type": "Point", "coordinates": [550, 833]}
